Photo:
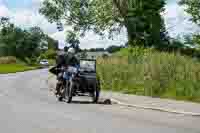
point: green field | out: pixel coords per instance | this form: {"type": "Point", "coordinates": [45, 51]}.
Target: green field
{"type": "Point", "coordinates": [151, 73]}
{"type": "Point", "coordinates": [13, 68]}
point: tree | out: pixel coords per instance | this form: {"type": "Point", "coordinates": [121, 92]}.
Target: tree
{"type": "Point", "coordinates": [52, 44]}
{"type": "Point", "coordinates": [4, 22]}
{"type": "Point", "coordinates": [66, 48]}
{"type": "Point", "coordinates": [141, 18]}
{"type": "Point", "coordinates": [35, 42]}
{"type": "Point", "coordinates": [8, 37]}
{"type": "Point", "coordinates": [50, 54]}
{"type": "Point", "coordinates": [72, 39]}
{"type": "Point", "coordinates": [192, 8]}
{"type": "Point", "coordinates": [24, 44]}
{"type": "Point", "coordinates": [83, 54]}
{"type": "Point", "coordinates": [196, 39]}
{"type": "Point", "coordinates": [96, 49]}
{"type": "Point", "coordinates": [188, 39]}
{"type": "Point", "coordinates": [113, 48]}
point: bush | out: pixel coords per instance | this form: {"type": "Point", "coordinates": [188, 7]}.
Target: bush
{"type": "Point", "coordinates": [52, 62]}
{"type": "Point", "coordinates": [50, 54]}
{"type": "Point", "coordinates": [8, 60]}
{"type": "Point", "coordinates": [152, 73]}
{"type": "Point", "coordinates": [31, 61]}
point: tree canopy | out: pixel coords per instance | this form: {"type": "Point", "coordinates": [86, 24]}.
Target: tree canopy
{"type": "Point", "coordinates": [113, 48]}
{"type": "Point", "coordinates": [192, 7]}
{"type": "Point", "coordinates": [141, 18]}
{"type": "Point", "coordinates": [73, 40]}
{"type": "Point", "coordinates": [15, 41]}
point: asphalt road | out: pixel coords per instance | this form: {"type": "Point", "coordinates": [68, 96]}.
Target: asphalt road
{"type": "Point", "coordinates": [27, 106]}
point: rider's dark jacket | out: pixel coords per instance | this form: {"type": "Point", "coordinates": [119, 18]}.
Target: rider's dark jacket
{"type": "Point", "coordinates": [64, 60]}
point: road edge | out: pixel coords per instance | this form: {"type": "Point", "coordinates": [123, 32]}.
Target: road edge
{"type": "Point", "coordinates": [154, 108]}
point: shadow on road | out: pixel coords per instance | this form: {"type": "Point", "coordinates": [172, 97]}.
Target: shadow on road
{"type": "Point", "coordinates": [104, 102]}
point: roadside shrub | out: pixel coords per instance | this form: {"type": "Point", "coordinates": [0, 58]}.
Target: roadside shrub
{"type": "Point", "coordinates": [52, 62]}
{"type": "Point", "coordinates": [50, 54]}
{"type": "Point", "coordinates": [8, 60]}
{"type": "Point", "coordinates": [31, 61]}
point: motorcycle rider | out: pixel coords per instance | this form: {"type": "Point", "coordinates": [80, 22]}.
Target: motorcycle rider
{"type": "Point", "coordinates": [65, 59]}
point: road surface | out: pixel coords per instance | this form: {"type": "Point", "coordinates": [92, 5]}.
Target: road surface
{"type": "Point", "coordinates": [27, 106]}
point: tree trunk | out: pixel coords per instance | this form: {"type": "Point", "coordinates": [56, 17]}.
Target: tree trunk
{"type": "Point", "coordinates": [129, 31]}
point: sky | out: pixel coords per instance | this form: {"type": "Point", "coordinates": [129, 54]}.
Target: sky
{"type": "Point", "coordinates": [24, 13]}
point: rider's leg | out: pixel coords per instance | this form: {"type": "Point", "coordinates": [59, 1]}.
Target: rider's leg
{"type": "Point", "coordinates": [58, 84]}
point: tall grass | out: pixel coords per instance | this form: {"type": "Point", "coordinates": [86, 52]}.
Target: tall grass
{"type": "Point", "coordinates": [10, 64]}
{"type": "Point", "coordinates": [151, 73]}
{"type": "Point", "coordinates": [8, 60]}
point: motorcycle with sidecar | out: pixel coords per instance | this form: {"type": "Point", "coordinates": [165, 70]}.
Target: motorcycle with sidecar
{"type": "Point", "coordinates": [80, 80]}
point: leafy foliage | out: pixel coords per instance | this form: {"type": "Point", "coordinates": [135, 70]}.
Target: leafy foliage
{"type": "Point", "coordinates": [113, 48]}
{"type": "Point", "coordinates": [83, 54]}
{"type": "Point", "coordinates": [26, 45]}
{"type": "Point", "coordinates": [196, 39]}
{"type": "Point", "coordinates": [193, 8]}
{"type": "Point", "coordinates": [50, 54]}
{"type": "Point", "coordinates": [141, 18]}
{"type": "Point", "coordinates": [95, 49]}
{"type": "Point", "coordinates": [73, 40]}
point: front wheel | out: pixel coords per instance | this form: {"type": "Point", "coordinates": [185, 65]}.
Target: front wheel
{"type": "Point", "coordinates": [60, 89]}
{"type": "Point", "coordinates": [69, 91]}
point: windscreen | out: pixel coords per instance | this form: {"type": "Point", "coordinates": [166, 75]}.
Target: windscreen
{"type": "Point", "coordinates": [86, 65]}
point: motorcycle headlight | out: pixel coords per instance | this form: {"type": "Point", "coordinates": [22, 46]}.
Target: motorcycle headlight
{"type": "Point", "coordinates": [60, 75]}
{"type": "Point", "coordinates": [72, 69]}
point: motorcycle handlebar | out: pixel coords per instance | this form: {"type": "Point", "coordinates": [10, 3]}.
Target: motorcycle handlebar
{"type": "Point", "coordinates": [64, 68]}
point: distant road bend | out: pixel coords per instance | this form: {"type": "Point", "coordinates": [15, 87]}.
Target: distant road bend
{"type": "Point", "coordinates": [27, 106]}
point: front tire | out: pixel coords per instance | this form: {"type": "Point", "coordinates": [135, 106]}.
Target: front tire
{"type": "Point", "coordinates": [60, 95]}
{"type": "Point", "coordinates": [60, 99]}
{"type": "Point", "coordinates": [69, 91]}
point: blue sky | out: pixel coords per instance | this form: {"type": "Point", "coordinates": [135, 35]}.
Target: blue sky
{"type": "Point", "coordinates": [24, 13]}
{"type": "Point", "coordinates": [24, 3]}
{"type": "Point", "coordinates": [17, 3]}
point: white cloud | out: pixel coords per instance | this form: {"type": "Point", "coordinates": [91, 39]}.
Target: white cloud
{"type": "Point", "coordinates": [177, 20]}
{"type": "Point", "coordinates": [92, 41]}
{"type": "Point", "coordinates": [28, 18]}
{"type": "Point", "coordinates": [4, 11]}
{"type": "Point", "coordinates": [59, 35]}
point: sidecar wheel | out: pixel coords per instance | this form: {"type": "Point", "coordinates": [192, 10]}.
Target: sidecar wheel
{"type": "Point", "coordinates": [96, 93]}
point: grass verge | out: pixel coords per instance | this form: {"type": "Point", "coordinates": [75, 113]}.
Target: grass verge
{"type": "Point", "coordinates": [151, 73]}
{"type": "Point", "coordinates": [13, 68]}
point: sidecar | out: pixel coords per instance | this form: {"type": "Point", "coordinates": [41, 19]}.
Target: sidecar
{"type": "Point", "coordinates": [88, 80]}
